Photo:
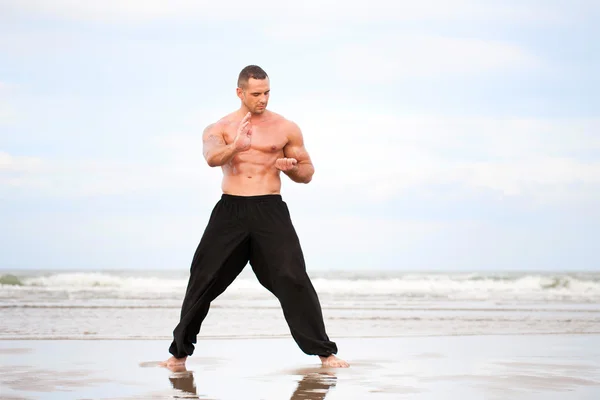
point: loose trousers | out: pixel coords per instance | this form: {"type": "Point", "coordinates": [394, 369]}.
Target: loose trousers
{"type": "Point", "coordinates": [258, 230]}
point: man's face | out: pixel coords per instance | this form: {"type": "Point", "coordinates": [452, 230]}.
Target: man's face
{"type": "Point", "coordinates": [256, 95]}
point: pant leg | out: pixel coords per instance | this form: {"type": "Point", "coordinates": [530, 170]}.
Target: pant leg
{"type": "Point", "coordinates": [220, 257]}
{"type": "Point", "coordinates": [278, 262]}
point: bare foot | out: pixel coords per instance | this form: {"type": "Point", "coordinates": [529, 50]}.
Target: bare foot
{"type": "Point", "coordinates": [176, 368]}
{"type": "Point", "coordinates": [173, 362]}
{"type": "Point", "coordinates": [334, 362]}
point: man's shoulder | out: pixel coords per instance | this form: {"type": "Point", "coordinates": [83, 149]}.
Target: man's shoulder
{"type": "Point", "coordinates": [228, 119]}
{"type": "Point", "coordinates": [222, 123]}
{"type": "Point", "coordinates": [284, 122]}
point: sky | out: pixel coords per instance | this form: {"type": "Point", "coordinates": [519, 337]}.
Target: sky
{"type": "Point", "coordinates": [445, 134]}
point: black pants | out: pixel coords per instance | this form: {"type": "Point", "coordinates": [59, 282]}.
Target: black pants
{"type": "Point", "coordinates": [259, 230]}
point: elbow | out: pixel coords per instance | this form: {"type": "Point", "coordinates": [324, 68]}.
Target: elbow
{"type": "Point", "coordinates": [308, 177]}
{"type": "Point", "coordinates": [211, 160]}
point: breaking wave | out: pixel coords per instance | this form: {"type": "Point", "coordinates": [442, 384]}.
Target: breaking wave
{"type": "Point", "coordinates": [569, 287]}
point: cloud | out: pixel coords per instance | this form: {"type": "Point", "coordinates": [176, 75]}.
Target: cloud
{"type": "Point", "coordinates": [369, 238]}
{"type": "Point", "coordinates": [400, 57]}
{"type": "Point", "coordinates": [10, 163]}
{"type": "Point", "coordinates": [385, 156]}
{"type": "Point", "coordinates": [380, 155]}
{"type": "Point", "coordinates": [179, 168]}
{"type": "Point", "coordinates": [18, 170]}
{"type": "Point", "coordinates": [7, 111]}
{"type": "Point", "coordinates": [323, 10]}
{"type": "Point", "coordinates": [98, 178]}
{"type": "Point", "coordinates": [34, 42]}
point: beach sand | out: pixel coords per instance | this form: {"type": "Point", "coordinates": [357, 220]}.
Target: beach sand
{"type": "Point", "coordinates": [425, 367]}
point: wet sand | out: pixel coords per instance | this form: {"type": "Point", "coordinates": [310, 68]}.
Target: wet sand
{"type": "Point", "coordinates": [432, 367]}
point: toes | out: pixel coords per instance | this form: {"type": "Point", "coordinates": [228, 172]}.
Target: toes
{"type": "Point", "coordinates": [340, 364]}
{"type": "Point", "coordinates": [334, 362]}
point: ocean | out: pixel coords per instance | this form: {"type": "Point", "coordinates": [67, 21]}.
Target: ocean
{"type": "Point", "coordinates": [140, 305]}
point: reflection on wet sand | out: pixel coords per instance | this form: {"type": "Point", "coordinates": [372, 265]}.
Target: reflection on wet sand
{"type": "Point", "coordinates": [313, 385]}
{"type": "Point", "coordinates": [183, 381]}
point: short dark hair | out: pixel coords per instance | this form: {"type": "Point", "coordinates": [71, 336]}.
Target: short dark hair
{"type": "Point", "coordinates": [251, 71]}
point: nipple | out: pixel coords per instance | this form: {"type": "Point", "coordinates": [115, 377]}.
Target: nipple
{"type": "Point", "coordinates": [273, 147]}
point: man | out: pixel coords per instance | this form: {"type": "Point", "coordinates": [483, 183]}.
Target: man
{"type": "Point", "coordinates": [251, 223]}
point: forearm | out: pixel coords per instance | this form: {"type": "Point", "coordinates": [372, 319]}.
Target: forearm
{"type": "Point", "coordinates": [302, 173]}
{"type": "Point", "coordinates": [221, 155]}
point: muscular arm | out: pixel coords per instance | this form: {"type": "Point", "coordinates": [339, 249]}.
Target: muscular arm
{"type": "Point", "coordinates": [215, 150]}
{"type": "Point", "coordinates": [304, 170]}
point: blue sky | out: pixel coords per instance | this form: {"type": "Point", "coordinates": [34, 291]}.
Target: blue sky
{"type": "Point", "coordinates": [445, 134]}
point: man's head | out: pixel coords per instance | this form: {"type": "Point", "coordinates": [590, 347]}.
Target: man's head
{"type": "Point", "coordinates": [254, 89]}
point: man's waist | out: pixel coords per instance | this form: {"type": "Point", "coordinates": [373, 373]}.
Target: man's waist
{"type": "Point", "coordinates": [246, 198]}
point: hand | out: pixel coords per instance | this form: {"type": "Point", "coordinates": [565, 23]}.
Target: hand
{"type": "Point", "coordinates": [286, 164]}
{"type": "Point", "coordinates": [243, 137]}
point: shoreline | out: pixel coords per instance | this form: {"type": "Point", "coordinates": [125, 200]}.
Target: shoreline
{"type": "Point", "coordinates": [415, 367]}
{"type": "Point", "coordinates": [265, 337]}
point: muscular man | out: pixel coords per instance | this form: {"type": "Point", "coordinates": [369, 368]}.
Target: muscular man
{"type": "Point", "coordinates": [251, 223]}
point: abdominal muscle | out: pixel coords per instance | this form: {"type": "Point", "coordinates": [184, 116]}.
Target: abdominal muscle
{"type": "Point", "coordinates": [251, 173]}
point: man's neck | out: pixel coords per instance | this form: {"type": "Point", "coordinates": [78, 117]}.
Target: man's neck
{"type": "Point", "coordinates": [255, 117]}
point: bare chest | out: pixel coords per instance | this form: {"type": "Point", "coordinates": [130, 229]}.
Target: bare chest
{"type": "Point", "coordinates": [264, 138]}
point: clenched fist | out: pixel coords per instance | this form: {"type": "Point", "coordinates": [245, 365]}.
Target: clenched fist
{"type": "Point", "coordinates": [285, 164]}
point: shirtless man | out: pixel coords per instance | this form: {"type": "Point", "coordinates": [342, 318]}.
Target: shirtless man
{"type": "Point", "coordinates": [251, 223]}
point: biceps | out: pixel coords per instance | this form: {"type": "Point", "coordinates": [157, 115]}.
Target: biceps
{"type": "Point", "coordinates": [297, 152]}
